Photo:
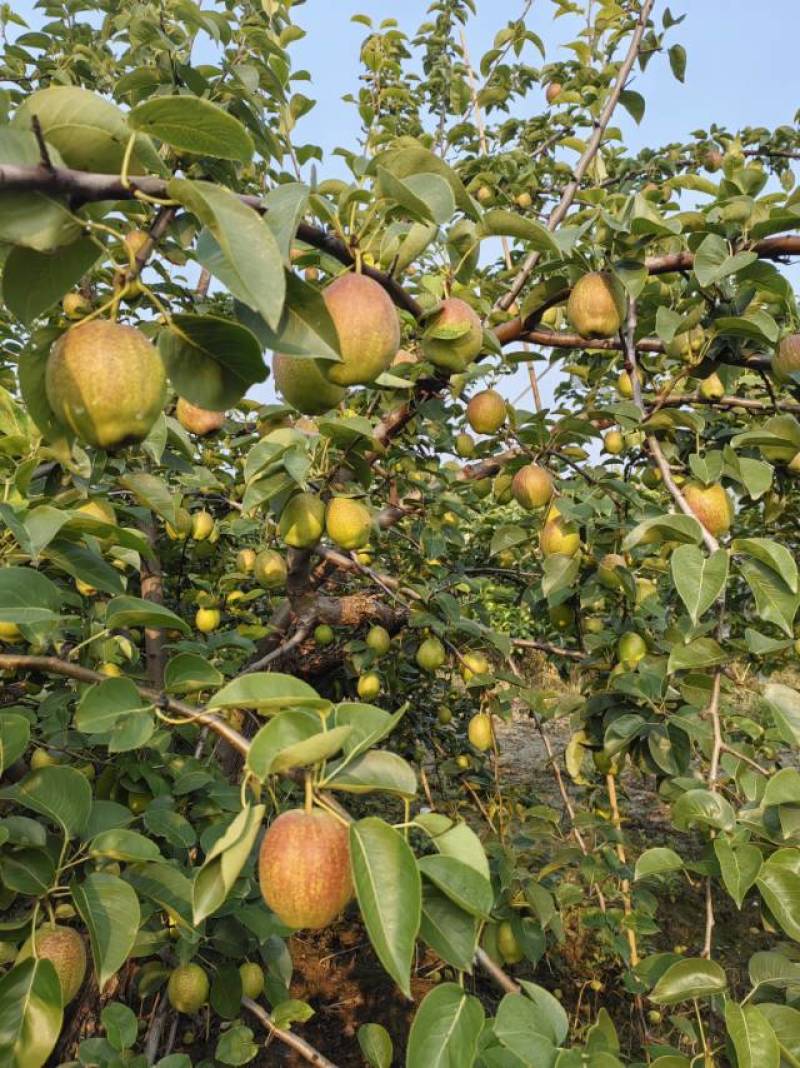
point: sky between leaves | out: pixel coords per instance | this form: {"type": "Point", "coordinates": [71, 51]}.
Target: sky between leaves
{"type": "Point", "coordinates": [742, 70]}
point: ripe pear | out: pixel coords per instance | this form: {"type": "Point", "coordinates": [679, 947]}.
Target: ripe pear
{"type": "Point", "coordinates": [304, 868]}
{"type": "Point", "coordinates": [479, 731]}
{"type": "Point", "coordinates": [464, 445]}
{"type": "Point", "coordinates": [368, 329]}
{"type": "Point", "coordinates": [9, 632]}
{"type": "Point", "coordinates": [631, 648]}
{"type": "Point", "coordinates": [64, 947]}
{"type": "Point", "coordinates": [198, 421]}
{"type": "Point", "coordinates": [786, 360]}
{"type": "Point", "coordinates": [614, 443]}
{"type": "Point", "coordinates": [711, 505]}
{"type": "Point", "coordinates": [607, 574]}
{"type": "Point", "coordinates": [202, 525]}
{"type": "Point", "coordinates": [532, 486]}
{"type": "Point", "coordinates": [501, 487]}
{"type": "Point", "coordinates": [252, 979]}
{"type": "Point", "coordinates": [348, 523]}
{"type": "Point", "coordinates": [486, 412]}
{"type": "Point", "coordinates": [378, 640]}
{"type": "Point", "coordinates": [207, 619]}
{"type": "Point", "coordinates": [188, 988]}
{"type": "Point", "coordinates": [368, 686]}
{"type": "Point", "coordinates": [474, 663]}
{"type": "Point", "coordinates": [453, 336]}
{"type": "Point", "coordinates": [105, 382]}
{"type": "Point", "coordinates": [302, 521]}
{"type": "Point", "coordinates": [558, 536]}
{"type": "Point", "coordinates": [625, 385]}
{"type": "Point", "coordinates": [269, 570]}
{"type": "Point", "coordinates": [596, 306]}
{"type": "Point", "coordinates": [246, 560]}
{"type": "Point", "coordinates": [302, 384]}
{"type": "Point", "coordinates": [712, 388]}
{"type": "Point", "coordinates": [430, 655]}
{"type": "Point", "coordinates": [75, 306]}
{"type": "Point", "coordinates": [323, 635]}
{"type": "Point", "coordinates": [553, 92]}
{"type": "Point", "coordinates": [523, 200]}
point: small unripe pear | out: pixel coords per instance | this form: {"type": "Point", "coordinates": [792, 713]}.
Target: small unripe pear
{"type": "Point", "coordinates": [269, 569]}
{"type": "Point", "coordinates": [378, 640]}
{"type": "Point", "coordinates": [561, 616]}
{"type": "Point", "coordinates": [368, 686]}
{"type": "Point", "coordinates": [465, 445]}
{"type": "Point", "coordinates": [607, 574]}
{"type": "Point", "coordinates": [302, 521]}
{"type": "Point", "coordinates": [523, 200]}
{"type": "Point", "coordinates": [202, 525]}
{"type": "Point", "coordinates": [188, 989]}
{"type": "Point", "coordinates": [453, 335]}
{"type": "Point", "coordinates": [323, 635]}
{"type": "Point", "coordinates": [207, 619]}
{"type": "Point", "coordinates": [430, 655]}
{"type": "Point", "coordinates": [75, 305]}
{"type": "Point", "coordinates": [625, 385]}
{"type": "Point", "coordinates": [348, 523]}
{"type": "Point", "coordinates": [474, 663]}
{"type": "Point", "coordinates": [631, 648]}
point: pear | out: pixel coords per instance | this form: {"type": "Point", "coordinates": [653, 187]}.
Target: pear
{"type": "Point", "coordinates": [711, 505]}
{"type": "Point", "coordinates": [368, 329]}
{"type": "Point", "coordinates": [596, 306]}
{"type": "Point", "coordinates": [532, 486]}
{"type": "Point", "coordinates": [786, 360]}
{"type": "Point", "coordinates": [486, 412]}
{"type": "Point", "coordinates": [453, 336]}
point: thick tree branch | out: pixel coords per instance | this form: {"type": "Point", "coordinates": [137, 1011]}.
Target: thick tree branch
{"type": "Point", "coordinates": [570, 191]}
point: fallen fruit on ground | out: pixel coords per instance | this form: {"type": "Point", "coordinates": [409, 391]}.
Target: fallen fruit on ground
{"type": "Point", "coordinates": [106, 383]}
{"type": "Point", "coordinates": [304, 868]}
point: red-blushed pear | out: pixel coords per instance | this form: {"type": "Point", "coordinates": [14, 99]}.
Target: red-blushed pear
{"type": "Point", "coordinates": [196, 420]}
{"type": "Point", "coordinates": [453, 335]}
{"type": "Point", "coordinates": [532, 486]}
{"type": "Point", "coordinates": [786, 360]}
{"type": "Point", "coordinates": [302, 384]}
{"type": "Point", "coordinates": [368, 329]}
{"type": "Point", "coordinates": [596, 306]}
{"type": "Point", "coordinates": [105, 382]}
{"type": "Point", "coordinates": [711, 505]}
{"type": "Point", "coordinates": [304, 868]}
{"type": "Point", "coordinates": [486, 412]}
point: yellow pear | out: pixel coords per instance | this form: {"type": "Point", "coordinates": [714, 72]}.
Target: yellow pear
{"type": "Point", "coordinates": [486, 412]}
{"type": "Point", "coordinates": [348, 523]}
{"type": "Point", "coordinates": [711, 505]}
{"type": "Point", "coordinates": [532, 486]}
{"type": "Point", "coordinates": [302, 521]}
{"type": "Point", "coordinates": [596, 306]}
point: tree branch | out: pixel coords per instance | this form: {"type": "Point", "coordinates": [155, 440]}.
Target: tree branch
{"type": "Point", "coordinates": [299, 1045]}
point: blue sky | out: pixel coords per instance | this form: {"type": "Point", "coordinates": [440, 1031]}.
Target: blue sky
{"type": "Point", "coordinates": [742, 71]}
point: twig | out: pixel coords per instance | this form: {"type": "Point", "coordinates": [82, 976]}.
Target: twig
{"type": "Point", "coordinates": [494, 971]}
{"type": "Point", "coordinates": [570, 190]}
{"type": "Point", "coordinates": [155, 1029]}
{"type": "Point", "coordinates": [299, 1045]}
{"type": "Point", "coordinates": [44, 152]}
{"type": "Point", "coordinates": [625, 886]}
{"type": "Point", "coordinates": [296, 639]}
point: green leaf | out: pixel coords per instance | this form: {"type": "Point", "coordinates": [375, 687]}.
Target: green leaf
{"type": "Point", "coordinates": [389, 894]}
{"type": "Point", "coordinates": [135, 612]}
{"type": "Point", "coordinates": [119, 843]}
{"type": "Point", "coordinates": [104, 704]}
{"type": "Point", "coordinates": [783, 787]}
{"type": "Point", "coordinates": [376, 770]}
{"type": "Point", "coordinates": [775, 602]}
{"type": "Point", "coordinates": [120, 1025]}
{"type": "Point", "coordinates": [253, 263]}
{"type": "Point", "coordinates": [376, 1045]}
{"type": "Point", "coordinates": [699, 653]}
{"type": "Point", "coordinates": [704, 808]}
{"type": "Point", "coordinates": [687, 979]}
{"type": "Point", "coordinates": [739, 866]}
{"type": "Point", "coordinates": [773, 969]}
{"type": "Point", "coordinates": [425, 197]}
{"type": "Point", "coordinates": [713, 262]}
{"type": "Point", "coordinates": [451, 932]}
{"type": "Point", "coordinates": [85, 565]}
{"type": "Point", "coordinates": [166, 886]}
{"type": "Point", "coordinates": [677, 61]}
{"type": "Point", "coordinates": [109, 908]}
{"type": "Point", "coordinates": [780, 889]}
{"type": "Point", "coordinates": [286, 205]}
{"type": "Point", "coordinates": [188, 672]}
{"type": "Point", "coordinates": [784, 703]}
{"type": "Point", "coordinates": [522, 1027]}
{"type": "Point", "coordinates": [60, 794]}
{"type": "Point", "coordinates": [27, 596]}
{"type": "Point", "coordinates": [305, 327]}
{"type": "Point", "coordinates": [368, 725]}
{"type": "Point", "coordinates": [236, 1046]}
{"type": "Point", "coordinates": [455, 839]}
{"type": "Point", "coordinates": [162, 820]}
{"type": "Point", "coordinates": [445, 1029]}
{"type": "Point", "coordinates": [634, 104]}
{"type": "Point", "coordinates": [268, 692]}
{"type": "Point", "coordinates": [698, 579]}
{"type": "Point", "coordinates": [772, 554]}
{"type": "Point", "coordinates": [553, 1017]}
{"type": "Point", "coordinates": [212, 362]}
{"type": "Point", "coordinates": [224, 861]}
{"type": "Point", "coordinates": [407, 158]}
{"type": "Point", "coordinates": [758, 325]}
{"type": "Point", "coordinates": [785, 1022]}
{"type": "Point", "coordinates": [752, 1037]}
{"type": "Point", "coordinates": [499, 223]}
{"type": "Point", "coordinates": [293, 739]}
{"type": "Point", "coordinates": [507, 537]}
{"type": "Point", "coordinates": [151, 492]}
{"type": "Point", "coordinates": [461, 883]}
{"type": "Point", "coordinates": [55, 274]}
{"type": "Point", "coordinates": [192, 124]}
{"type": "Point", "coordinates": [15, 732]}
{"type": "Point", "coordinates": [657, 861]}
{"type": "Point", "coordinates": [291, 1011]}
{"type": "Point", "coordinates": [32, 220]}
{"type": "Point", "coordinates": [681, 528]}
{"type": "Point", "coordinates": [30, 1013]}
